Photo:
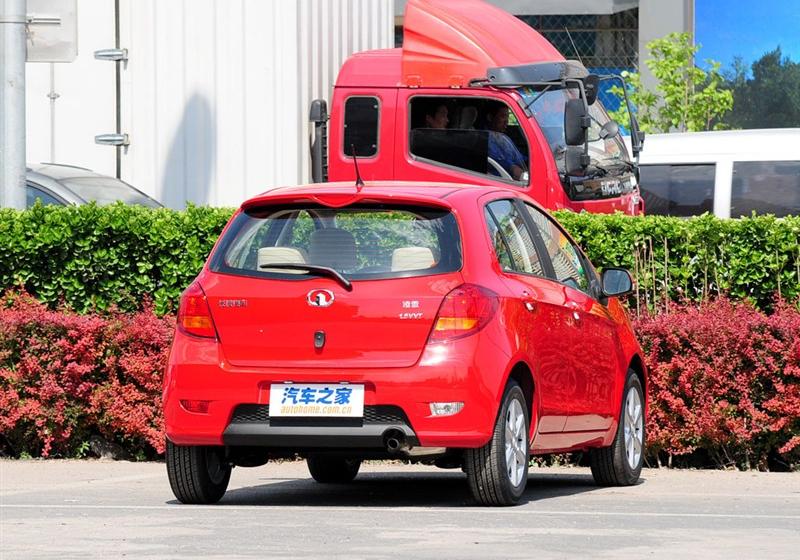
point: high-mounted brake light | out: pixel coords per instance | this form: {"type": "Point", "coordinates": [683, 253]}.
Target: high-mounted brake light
{"type": "Point", "coordinates": [194, 315]}
{"type": "Point", "coordinates": [464, 311]}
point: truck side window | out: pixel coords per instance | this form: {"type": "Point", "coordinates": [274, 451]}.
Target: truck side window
{"type": "Point", "coordinates": [361, 126]}
{"type": "Point", "coordinates": [766, 187]}
{"type": "Point", "coordinates": [478, 135]}
{"type": "Point", "coordinates": [678, 190]}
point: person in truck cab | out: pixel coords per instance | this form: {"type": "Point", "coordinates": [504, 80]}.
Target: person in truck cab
{"type": "Point", "coordinates": [501, 148]}
{"type": "Point", "coordinates": [436, 116]}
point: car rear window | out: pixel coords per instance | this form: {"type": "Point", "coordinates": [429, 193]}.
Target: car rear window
{"type": "Point", "coordinates": [361, 242]}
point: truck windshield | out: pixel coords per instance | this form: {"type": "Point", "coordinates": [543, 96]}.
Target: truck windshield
{"type": "Point", "coordinates": [548, 110]}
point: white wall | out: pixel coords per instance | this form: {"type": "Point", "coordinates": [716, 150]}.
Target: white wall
{"type": "Point", "coordinates": [86, 102]}
{"type": "Point", "coordinates": [216, 93]}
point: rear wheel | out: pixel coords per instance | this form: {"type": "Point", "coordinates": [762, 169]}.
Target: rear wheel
{"type": "Point", "coordinates": [197, 474]}
{"type": "Point", "coordinates": [332, 470]}
{"type": "Point", "coordinates": [498, 471]}
{"type": "Point", "coordinates": [620, 464]}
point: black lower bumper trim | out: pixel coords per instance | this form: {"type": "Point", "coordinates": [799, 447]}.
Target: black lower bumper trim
{"type": "Point", "coordinates": [298, 437]}
{"type": "Point", "coordinates": [252, 425]}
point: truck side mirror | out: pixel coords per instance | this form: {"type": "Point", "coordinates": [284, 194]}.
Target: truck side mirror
{"type": "Point", "coordinates": [576, 122]}
{"type": "Point", "coordinates": [609, 130]}
{"type": "Point", "coordinates": [318, 112]}
{"type": "Point", "coordinates": [637, 137]}
{"type": "Point", "coordinates": [591, 86]}
{"type": "Point", "coordinates": [575, 160]}
{"type": "Point", "coordinates": [640, 144]}
{"type": "Point", "coordinates": [318, 116]}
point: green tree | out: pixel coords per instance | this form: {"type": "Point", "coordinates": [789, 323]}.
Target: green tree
{"type": "Point", "coordinates": [768, 99]}
{"type": "Point", "coordinates": [686, 98]}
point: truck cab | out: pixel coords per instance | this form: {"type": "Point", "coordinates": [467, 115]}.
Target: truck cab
{"type": "Point", "coordinates": [476, 96]}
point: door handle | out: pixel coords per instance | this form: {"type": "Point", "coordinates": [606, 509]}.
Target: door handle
{"type": "Point", "coordinates": [574, 308]}
{"type": "Point", "coordinates": [528, 301]}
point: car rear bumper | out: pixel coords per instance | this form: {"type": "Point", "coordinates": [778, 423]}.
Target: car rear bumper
{"type": "Point", "coordinates": [459, 372]}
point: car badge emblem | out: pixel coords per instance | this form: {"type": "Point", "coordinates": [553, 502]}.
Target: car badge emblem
{"type": "Point", "coordinates": [320, 298]}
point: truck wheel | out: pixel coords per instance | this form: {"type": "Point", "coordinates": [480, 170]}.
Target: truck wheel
{"type": "Point", "coordinates": [620, 464]}
{"type": "Point", "coordinates": [498, 471]}
{"type": "Point", "coordinates": [332, 470]}
{"type": "Point", "coordinates": [197, 474]}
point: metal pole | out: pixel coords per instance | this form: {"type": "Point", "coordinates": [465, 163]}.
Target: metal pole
{"type": "Point", "coordinates": [13, 21]}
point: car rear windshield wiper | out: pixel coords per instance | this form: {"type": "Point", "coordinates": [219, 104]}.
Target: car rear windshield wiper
{"type": "Point", "coordinates": [322, 270]}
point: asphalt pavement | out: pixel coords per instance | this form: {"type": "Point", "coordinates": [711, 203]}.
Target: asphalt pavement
{"type": "Point", "coordinates": [105, 509]}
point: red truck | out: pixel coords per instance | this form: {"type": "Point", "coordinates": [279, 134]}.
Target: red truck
{"type": "Point", "coordinates": [477, 96]}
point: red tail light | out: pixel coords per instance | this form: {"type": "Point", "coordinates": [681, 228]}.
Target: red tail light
{"type": "Point", "coordinates": [464, 311]}
{"type": "Point", "coordinates": [194, 315]}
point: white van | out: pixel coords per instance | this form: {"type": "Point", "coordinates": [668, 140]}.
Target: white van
{"type": "Point", "coordinates": [730, 173]}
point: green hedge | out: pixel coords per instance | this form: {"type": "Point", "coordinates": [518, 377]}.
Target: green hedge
{"type": "Point", "coordinates": [752, 258]}
{"type": "Point", "coordinates": [91, 257]}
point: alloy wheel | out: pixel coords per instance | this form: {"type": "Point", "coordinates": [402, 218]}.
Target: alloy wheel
{"type": "Point", "coordinates": [516, 442]}
{"type": "Point", "coordinates": [633, 427]}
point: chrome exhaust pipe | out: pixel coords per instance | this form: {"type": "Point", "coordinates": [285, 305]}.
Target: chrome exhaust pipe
{"type": "Point", "coordinates": [395, 441]}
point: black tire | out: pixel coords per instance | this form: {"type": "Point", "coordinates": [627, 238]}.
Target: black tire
{"type": "Point", "coordinates": [197, 474]}
{"type": "Point", "coordinates": [610, 465]}
{"type": "Point", "coordinates": [487, 470]}
{"type": "Point", "coordinates": [332, 470]}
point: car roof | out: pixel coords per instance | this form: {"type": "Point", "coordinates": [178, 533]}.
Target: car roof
{"type": "Point", "coordinates": [343, 193]}
{"type": "Point", "coordinates": [67, 182]}
{"type": "Point", "coordinates": [59, 171]}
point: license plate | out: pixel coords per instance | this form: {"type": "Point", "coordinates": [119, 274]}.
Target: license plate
{"type": "Point", "coordinates": [316, 399]}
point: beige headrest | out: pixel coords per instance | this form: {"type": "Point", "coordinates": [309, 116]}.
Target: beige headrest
{"type": "Point", "coordinates": [412, 258]}
{"type": "Point", "coordinates": [283, 255]}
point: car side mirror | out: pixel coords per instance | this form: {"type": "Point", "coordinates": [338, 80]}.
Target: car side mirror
{"type": "Point", "coordinates": [616, 282]}
{"type": "Point", "coordinates": [576, 122]}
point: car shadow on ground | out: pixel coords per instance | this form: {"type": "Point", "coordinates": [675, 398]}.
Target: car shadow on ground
{"type": "Point", "coordinates": [445, 489]}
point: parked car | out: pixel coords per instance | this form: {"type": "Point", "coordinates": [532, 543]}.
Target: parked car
{"type": "Point", "coordinates": [66, 185]}
{"type": "Point", "coordinates": [451, 324]}
{"type": "Point", "coordinates": [728, 173]}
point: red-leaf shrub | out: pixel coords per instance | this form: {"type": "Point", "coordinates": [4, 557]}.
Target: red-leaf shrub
{"type": "Point", "coordinates": [65, 377]}
{"type": "Point", "coordinates": [724, 383]}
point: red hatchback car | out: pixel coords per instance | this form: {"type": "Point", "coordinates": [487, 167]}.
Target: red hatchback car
{"type": "Point", "coordinates": [455, 325]}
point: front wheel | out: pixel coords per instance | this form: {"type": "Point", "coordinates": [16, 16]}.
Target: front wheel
{"type": "Point", "coordinates": [498, 471]}
{"type": "Point", "coordinates": [198, 474]}
{"type": "Point", "coordinates": [620, 464]}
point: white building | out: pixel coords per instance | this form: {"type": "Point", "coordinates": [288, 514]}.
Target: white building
{"type": "Point", "coordinates": [214, 95]}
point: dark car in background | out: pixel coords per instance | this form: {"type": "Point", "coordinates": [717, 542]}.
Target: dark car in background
{"type": "Point", "coordinates": [67, 185]}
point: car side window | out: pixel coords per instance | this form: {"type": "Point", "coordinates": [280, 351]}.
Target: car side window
{"type": "Point", "coordinates": [512, 241]}
{"type": "Point", "coordinates": [477, 135]}
{"type": "Point", "coordinates": [32, 194]}
{"type": "Point", "coordinates": [565, 257]}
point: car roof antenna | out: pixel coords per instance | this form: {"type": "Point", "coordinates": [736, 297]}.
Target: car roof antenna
{"type": "Point", "coordinates": [359, 180]}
